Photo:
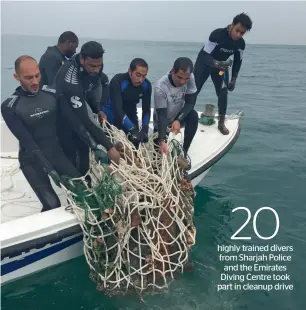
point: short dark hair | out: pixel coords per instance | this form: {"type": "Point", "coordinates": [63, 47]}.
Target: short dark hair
{"type": "Point", "coordinates": [20, 59]}
{"type": "Point", "coordinates": [138, 62]}
{"type": "Point", "coordinates": [183, 63]}
{"type": "Point", "coordinates": [244, 20]}
{"type": "Point", "coordinates": [68, 36]}
{"type": "Point", "coordinates": [92, 49]}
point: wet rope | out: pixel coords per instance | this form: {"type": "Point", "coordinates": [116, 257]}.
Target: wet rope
{"type": "Point", "coordinates": [12, 196]}
{"type": "Point", "coordinates": [137, 218]}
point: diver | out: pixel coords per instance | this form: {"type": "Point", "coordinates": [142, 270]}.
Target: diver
{"type": "Point", "coordinates": [174, 100]}
{"type": "Point", "coordinates": [221, 44]}
{"type": "Point", "coordinates": [31, 115]}
{"type": "Point", "coordinates": [125, 92]}
{"type": "Point", "coordinates": [74, 82]}
{"type": "Point", "coordinates": [55, 56]}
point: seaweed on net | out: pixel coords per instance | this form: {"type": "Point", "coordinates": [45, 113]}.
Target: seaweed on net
{"type": "Point", "coordinates": [137, 217]}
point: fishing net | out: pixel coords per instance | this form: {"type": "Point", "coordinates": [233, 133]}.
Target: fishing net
{"type": "Point", "coordinates": [137, 218]}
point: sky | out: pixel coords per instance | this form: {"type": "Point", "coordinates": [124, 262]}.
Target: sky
{"type": "Point", "coordinates": [274, 22]}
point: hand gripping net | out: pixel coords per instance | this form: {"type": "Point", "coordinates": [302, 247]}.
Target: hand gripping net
{"type": "Point", "coordinates": [137, 217]}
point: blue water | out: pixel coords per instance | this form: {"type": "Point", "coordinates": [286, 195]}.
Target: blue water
{"type": "Point", "coordinates": [266, 167]}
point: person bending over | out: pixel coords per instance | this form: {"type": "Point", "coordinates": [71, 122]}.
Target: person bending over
{"type": "Point", "coordinates": [174, 99]}
{"type": "Point", "coordinates": [31, 115]}
{"type": "Point", "coordinates": [125, 92]}
{"type": "Point", "coordinates": [55, 56]}
{"type": "Point", "coordinates": [74, 82]}
{"type": "Point", "coordinates": [221, 44]}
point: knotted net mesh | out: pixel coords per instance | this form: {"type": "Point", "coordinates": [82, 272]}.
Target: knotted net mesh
{"type": "Point", "coordinates": [137, 218]}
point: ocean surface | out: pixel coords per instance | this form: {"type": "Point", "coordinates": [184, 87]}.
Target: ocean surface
{"type": "Point", "coordinates": [265, 168]}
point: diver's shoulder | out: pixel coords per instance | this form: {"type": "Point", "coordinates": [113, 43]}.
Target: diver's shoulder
{"type": "Point", "coordinates": [162, 81]}
{"type": "Point", "coordinates": [104, 78]}
{"type": "Point", "coordinates": [48, 90]}
{"type": "Point", "coordinates": [241, 44]}
{"type": "Point", "coordinates": [218, 34]}
{"type": "Point", "coordinates": [69, 73]}
{"type": "Point", "coordinates": [9, 104]}
{"type": "Point", "coordinates": [10, 101]}
{"type": "Point", "coordinates": [146, 84]}
{"type": "Point", "coordinates": [120, 76]}
{"type": "Point", "coordinates": [51, 54]}
{"type": "Point", "coordinates": [146, 80]}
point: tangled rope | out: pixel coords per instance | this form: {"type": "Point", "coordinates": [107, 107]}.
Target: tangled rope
{"type": "Point", "coordinates": [14, 197]}
{"type": "Point", "coordinates": [137, 217]}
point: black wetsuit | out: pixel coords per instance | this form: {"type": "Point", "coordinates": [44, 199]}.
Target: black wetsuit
{"type": "Point", "coordinates": [105, 89]}
{"type": "Point", "coordinates": [33, 121]}
{"type": "Point", "coordinates": [98, 96]}
{"type": "Point", "coordinates": [76, 91]}
{"type": "Point", "coordinates": [49, 64]}
{"type": "Point", "coordinates": [220, 46]}
{"type": "Point", "coordinates": [121, 107]}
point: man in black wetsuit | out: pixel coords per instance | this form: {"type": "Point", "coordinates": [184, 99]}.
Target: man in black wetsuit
{"type": "Point", "coordinates": [74, 82]}
{"type": "Point", "coordinates": [222, 43]}
{"type": "Point", "coordinates": [125, 92]}
{"type": "Point", "coordinates": [55, 56]}
{"type": "Point", "coordinates": [31, 115]}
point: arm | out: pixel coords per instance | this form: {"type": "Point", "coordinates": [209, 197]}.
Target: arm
{"type": "Point", "coordinates": [162, 123]}
{"type": "Point", "coordinates": [161, 104]}
{"type": "Point", "coordinates": [78, 112]}
{"type": "Point", "coordinates": [75, 122]}
{"type": "Point", "coordinates": [146, 107]}
{"type": "Point", "coordinates": [115, 95]}
{"type": "Point", "coordinates": [94, 98]}
{"type": "Point", "coordinates": [237, 61]}
{"type": "Point", "coordinates": [214, 39]}
{"type": "Point", "coordinates": [105, 89]}
{"type": "Point", "coordinates": [190, 99]}
{"type": "Point", "coordinates": [20, 131]}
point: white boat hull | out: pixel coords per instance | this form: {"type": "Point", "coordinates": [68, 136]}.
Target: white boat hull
{"type": "Point", "coordinates": [40, 259]}
{"type": "Point", "coordinates": [50, 255]}
{"type": "Point", "coordinates": [36, 241]}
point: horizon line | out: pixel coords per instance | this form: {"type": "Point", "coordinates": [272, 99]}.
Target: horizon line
{"type": "Point", "coordinates": [143, 40]}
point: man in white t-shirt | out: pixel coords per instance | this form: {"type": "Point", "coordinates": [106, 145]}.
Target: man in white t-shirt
{"type": "Point", "coordinates": [174, 99]}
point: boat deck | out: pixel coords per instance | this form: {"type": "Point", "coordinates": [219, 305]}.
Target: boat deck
{"type": "Point", "coordinates": [18, 199]}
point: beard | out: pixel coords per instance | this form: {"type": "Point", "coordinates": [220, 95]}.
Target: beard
{"type": "Point", "coordinates": [69, 54]}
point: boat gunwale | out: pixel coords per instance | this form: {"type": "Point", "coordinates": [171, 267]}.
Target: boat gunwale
{"type": "Point", "coordinates": [12, 251]}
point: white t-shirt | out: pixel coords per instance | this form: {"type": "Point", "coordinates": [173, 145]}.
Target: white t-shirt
{"type": "Point", "coordinates": [173, 98]}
